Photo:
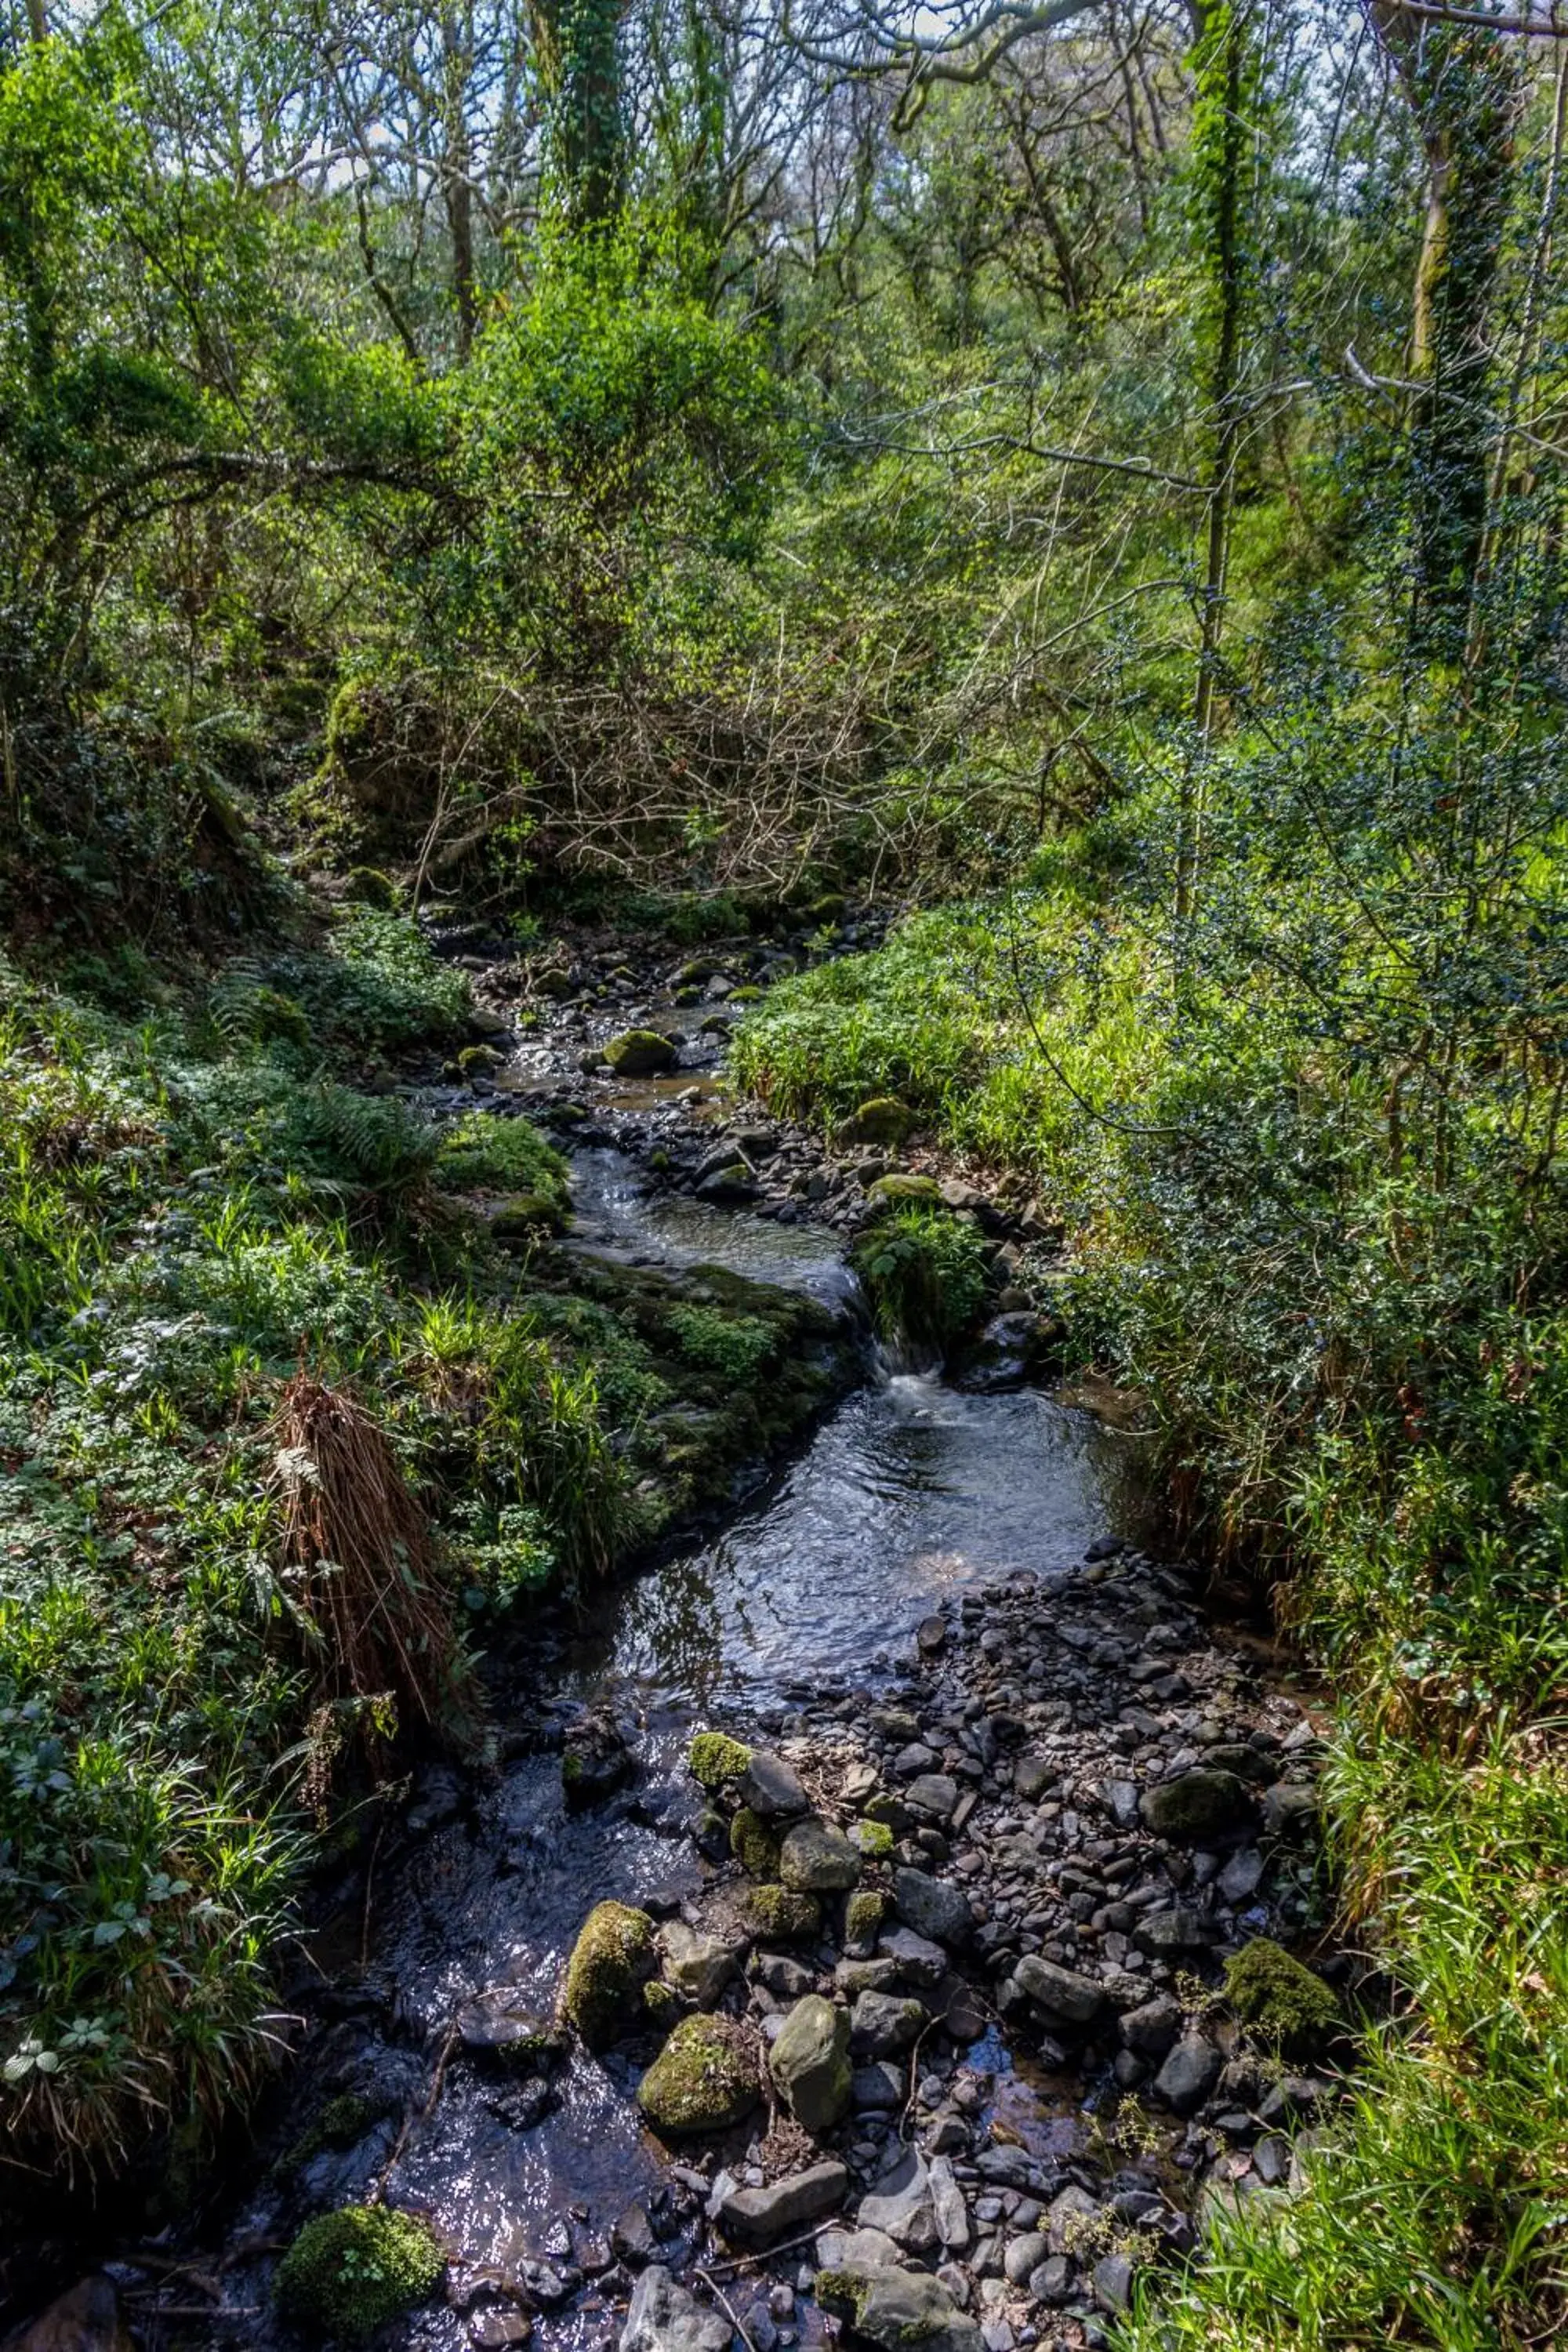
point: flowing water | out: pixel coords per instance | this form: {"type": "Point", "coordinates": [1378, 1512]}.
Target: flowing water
{"type": "Point", "coordinates": [907, 1492]}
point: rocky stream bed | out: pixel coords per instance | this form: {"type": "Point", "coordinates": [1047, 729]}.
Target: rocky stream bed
{"type": "Point", "coordinates": [877, 1924]}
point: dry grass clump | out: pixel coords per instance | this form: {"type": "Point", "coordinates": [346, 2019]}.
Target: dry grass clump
{"type": "Point", "coordinates": [363, 1566]}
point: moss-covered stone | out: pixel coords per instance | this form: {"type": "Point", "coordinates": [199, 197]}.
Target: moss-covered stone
{"type": "Point", "coordinates": [1279, 2001]}
{"type": "Point", "coordinates": [521, 1216]}
{"type": "Point", "coordinates": [883, 1120]}
{"type": "Point", "coordinates": [777, 1914]}
{"type": "Point", "coordinates": [640, 1054]}
{"type": "Point", "coordinates": [348, 2273]}
{"type": "Point", "coordinates": [863, 1915]}
{"type": "Point", "coordinates": [342, 2124]}
{"type": "Point", "coordinates": [662, 2002]}
{"type": "Point", "coordinates": [613, 1959]}
{"type": "Point", "coordinates": [714, 1759]}
{"type": "Point", "coordinates": [480, 1061]}
{"type": "Point", "coordinates": [754, 1844]}
{"type": "Point", "coordinates": [703, 2080]}
{"type": "Point", "coordinates": [874, 1839]}
{"type": "Point", "coordinates": [892, 1188]}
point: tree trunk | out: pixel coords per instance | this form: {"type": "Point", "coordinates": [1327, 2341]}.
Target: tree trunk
{"type": "Point", "coordinates": [577, 44]}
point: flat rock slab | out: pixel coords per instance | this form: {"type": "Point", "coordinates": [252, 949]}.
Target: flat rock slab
{"type": "Point", "coordinates": [759, 2217]}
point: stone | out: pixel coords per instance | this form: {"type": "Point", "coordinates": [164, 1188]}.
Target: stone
{"type": "Point", "coordinates": [1278, 1999]}
{"type": "Point", "coordinates": [754, 1846]}
{"type": "Point", "coordinates": [696, 1966]}
{"type": "Point", "coordinates": [87, 2319]}
{"type": "Point", "coordinates": [1023, 2257]}
{"type": "Point", "coordinates": [597, 1760]}
{"type": "Point", "coordinates": [632, 2237]}
{"type": "Point", "coordinates": [703, 2080]}
{"type": "Point", "coordinates": [900, 1187]}
{"type": "Point", "coordinates": [759, 2217]}
{"type": "Point", "coordinates": [640, 1054]}
{"type": "Point", "coordinates": [1032, 1775]}
{"type": "Point", "coordinates": [496, 2327]}
{"type": "Point", "coordinates": [734, 1181]}
{"type": "Point", "coordinates": [863, 2250]}
{"type": "Point", "coordinates": [715, 1759]}
{"type": "Point", "coordinates": [901, 2206]}
{"type": "Point", "coordinates": [1053, 2282]}
{"type": "Point", "coordinates": [1153, 2027]}
{"type": "Point", "coordinates": [1061, 1993]}
{"type": "Point", "coordinates": [1199, 1804]}
{"type": "Point", "coordinates": [1242, 1875]}
{"type": "Point", "coordinates": [665, 2316]}
{"type": "Point", "coordinates": [948, 2207]}
{"type": "Point", "coordinates": [1188, 2074]}
{"type": "Point", "coordinates": [934, 1907]}
{"type": "Point", "coordinates": [877, 2090]}
{"type": "Point", "coordinates": [930, 1637]}
{"type": "Point", "coordinates": [1290, 1810]}
{"type": "Point", "coordinates": [771, 1788]}
{"type": "Point", "coordinates": [918, 1961]}
{"type": "Point", "coordinates": [1164, 1935]}
{"type": "Point", "coordinates": [1112, 2282]}
{"type": "Point", "coordinates": [897, 2310]}
{"type": "Point", "coordinates": [809, 2063]}
{"type": "Point", "coordinates": [817, 1860]}
{"type": "Point", "coordinates": [613, 1958]}
{"type": "Point", "coordinates": [1071, 2216]}
{"type": "Point", "coordinates": [883, 2024]}
{"type": "Point", "coordinates": [788, 1980]}
{"type": "Point", "coordinates": [1014, 1348]}
{"type": "Point", "coordinates": [933, 1794]}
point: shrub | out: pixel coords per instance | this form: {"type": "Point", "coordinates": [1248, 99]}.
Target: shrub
{"type": "Point", "coordinates": [925, 1274]}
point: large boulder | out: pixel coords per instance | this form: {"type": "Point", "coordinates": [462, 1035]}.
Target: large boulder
{"type": "Point", "coordinates": [666, 2317]}
{"type": "Point", "coordinates": [815, 1859]}
{"type": "Point", "coordinates": [703, 2080]}
{"type": "Point", "coordinates": [773, 1788]}
{"type": "Point", "coordinates": [897, 2310]}
{"type": "Point", "coordinates": [640, 1054]}
{"type": "Point", "coordinates": [613, 1959]}
{"type": "Point", "coordinates": [809, 2063]}
{"type": "Point", "coordinates": [882, 1119]}
{"type": "Point", "coordinates": [1066, 1997]}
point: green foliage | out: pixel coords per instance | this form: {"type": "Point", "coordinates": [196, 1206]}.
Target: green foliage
{"type": "Point", "coordinates": [348, 2273]}
{"type": "Point", "coordinates": [925, 1274]}
{"type": "Point", "coordinates": [734, 1348]}
{"type": "Point", "coordinates": [483, 1153]}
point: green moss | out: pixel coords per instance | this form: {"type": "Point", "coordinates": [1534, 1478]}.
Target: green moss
{"type": "Point", "coordinates": [342, 2124]}
{"type": "Point", "coordinates": [753, 1845]}
{"type": "Point", "coordinates": [873, 1838]}
{"type": "Point", "coordinates": [883, 1120]}
{"type": "Point", "coordinates": [661, 2001]}
{"type": "Point", "coordinates": [479, 1061]}
{"type": "Point", "coordinates": [863, 1913]}
{"type": "Point", "coordinates": [703, 2080]}
{"type": "Point", "coordinates": [713, 1758]}
{"type": "Point", "coordinates": [613, 1958]}
{"type": "Point", "coordinates": [901, 1186]}
{"type": "Point", "coordinates": [777, 1914]}
{"type": "Point", "coordinates": [348, 2273]}
{"type": "Point", "coordinates": [485, 1153]}
{"type": "Point", "coordinates": [371, 887]}
{"type": "Point", "coordinates": [1275, 1997]}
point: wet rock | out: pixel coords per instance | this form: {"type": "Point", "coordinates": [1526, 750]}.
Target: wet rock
{"type": "Point", "coordinates": [754, 1846]}
{"type": "Point", "coordinates": [1200, 1803]}
{"type": "Point", "coordinates": [1061, 1993]}
{"type": "Point", "coordinates": [1011, 1350]}
{"type": "Point", "coordinates": [882, 2024]}
{"type": "Point", "coordinates": [499, 2327]}
{"type": "Point", "coordinates": [809, 2062]}
{"type": "Point", "coordinates": [897, 2310]}
{"type": "Point", "coordinates": [696, 1966]}
{"type": "Point", "coordinates": [703, 2080]}
{"type": "Point", "coordinates": [773, 1788]}
{"type": "Point", "coordinates": [934, 1907]}
{"type": "Point", "coordinates": [759, 2217]}
{"type": "Point", "coordinates": [1188, 2074]}
{"type": "Point", "coordinates": [500, 2026]}
{"type": "Point", "coordinates": [633, 2239]}
{"type": "Point", "coordinates": [665, 2316]}
{"type": "Point", "coordinates": [930, 1637]}
{"type": "Point", "coordinates": [901, 2206]}
{"type": "Point", "coordinates": [734, 1182]}
{"type": "Point", "coordinates": [614, 1957]}
{"type": "Point", "coordinates": [857, 2250]}
{"type": "Point", "coordinates": [640, 1054]}
{"type": "Point", "coordinates": [86, 2320]}
{"type": "Point", "coordinates": [815, 1859]}
{"type": "Point", "coordinates": [715, 1759]}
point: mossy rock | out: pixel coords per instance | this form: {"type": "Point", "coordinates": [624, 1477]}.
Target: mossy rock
{"type": "Point", "coordinates": [703, 2080]}
{"type": "Point", "coordinates": [348, 2273]}
{"type": "Point", "coordinates": [662, 2002]}
{"type": "Point", "coordinates": [1279, 2000]}
{"type": "Point", "coordinates": [883, 1120]}
{"type": "Point", "coordinates": [342, 2124]}
{"type": "Point", "coordinates": [874, 1839]}
{"type": "Point", "coordinates": [613, 1959]}
{"type": "Point", "coordinates": [714, 1759]}
{"type": "Point", "coordinates": [777, 1914]}
{"type": "Point", "coordinates": [479, 1061]}
{"type": "Point", "coordinates": [864, 1910]}
{"type": "Point", "coordinates": [524, 1216]}
{"type": "Point", "coordinates": [367, 886]}
{"type": "Point", "coordinates": [754, 1844]}
{"type": "Point", "coordinates": [893, 1188]}
{"type": "Point", "coordinates": [640, 1054]}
